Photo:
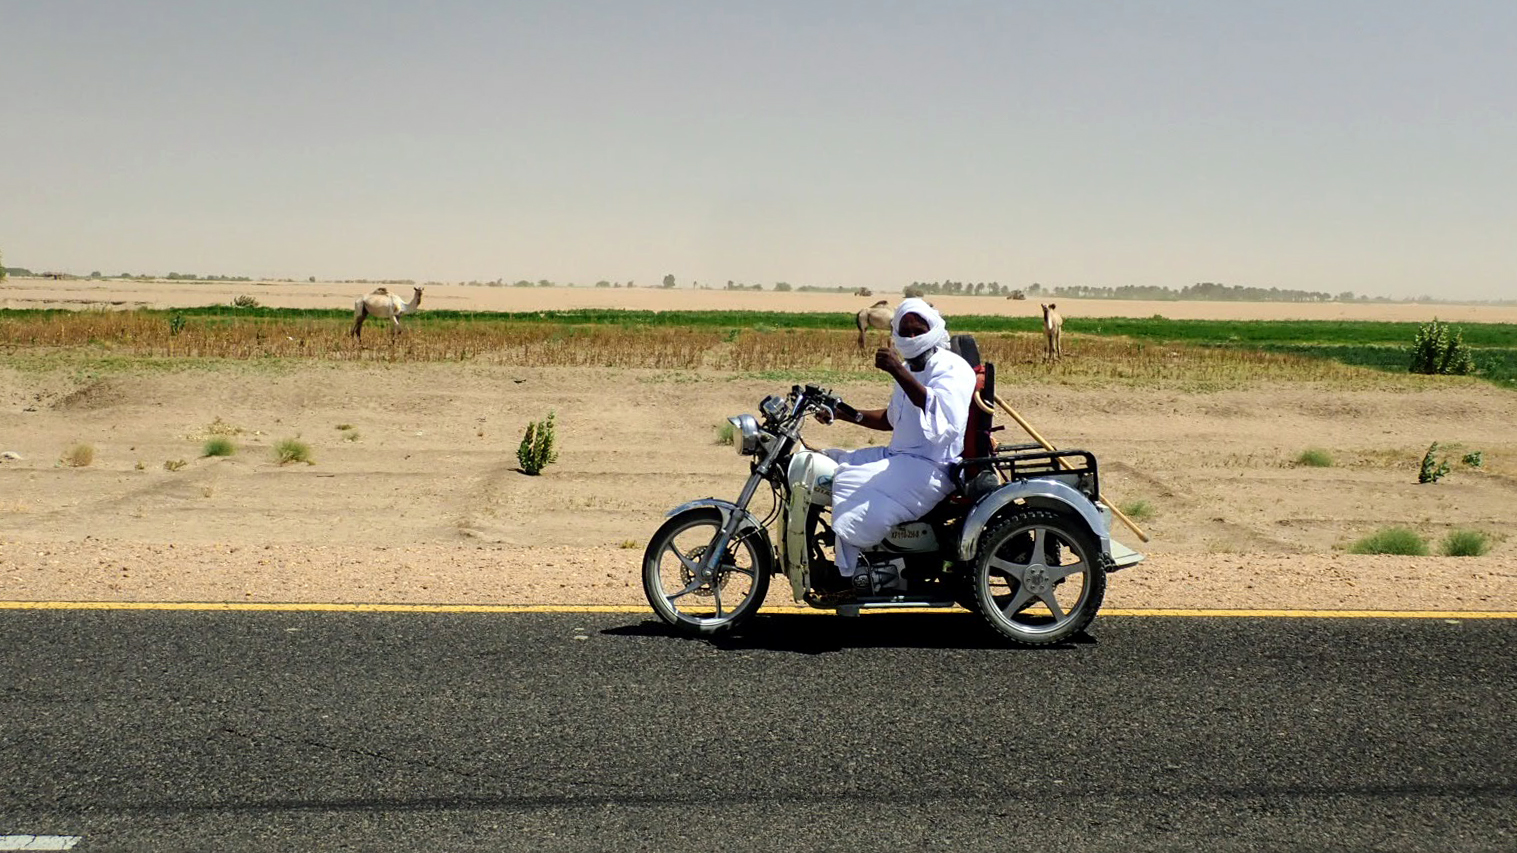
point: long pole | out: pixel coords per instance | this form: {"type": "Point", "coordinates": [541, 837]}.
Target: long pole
{"type": "Point", "coordinates": [1036, 436]}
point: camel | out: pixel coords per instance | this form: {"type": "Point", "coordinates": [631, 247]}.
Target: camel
{"type": "Point", "coordinates": [876, 316]}
{"type": "Point", "coordinates": [382, 304]}
{"type": "Point", "coordinates": [1053, 332]}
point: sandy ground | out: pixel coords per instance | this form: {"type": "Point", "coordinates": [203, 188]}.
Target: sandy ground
{"type": "Point", "coordinates": [47, 293]}
{"type": "Point", "coordinates": [419, 499]}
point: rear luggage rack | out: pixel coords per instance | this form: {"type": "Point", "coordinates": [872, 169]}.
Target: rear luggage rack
{"type": "Point", "coordinates": [1026, 462]}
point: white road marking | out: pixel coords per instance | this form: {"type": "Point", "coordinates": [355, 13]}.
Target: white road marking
{"type": "Point", "coordinates": [38, 842]}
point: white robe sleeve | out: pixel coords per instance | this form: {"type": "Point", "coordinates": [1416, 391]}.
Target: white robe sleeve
{"type": "Point", "coordinates": [949, 383]}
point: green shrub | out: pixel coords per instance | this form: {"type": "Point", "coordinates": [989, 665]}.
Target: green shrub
{"type": "Point", "coordinates": [536, 450]}
{"type": "Point", "coordinates": [1473, 459]}
{"type": "Point", "coordinates": [1315, 457]}
{"type": "Point", "coordinates": [176, 323]}
{"type": "Point", "coordinates": [1138, 510]}
{"type": "Point", "coordinates": [218, 446]}
{"type": "Point", "coordinates": [292, 450]}
{"type": "Point", "coordinates": [1433, 467]}
{"type": "Point", "coordinates": [726, 433]}
{"type": "Point", "coordinates": [1440, 350]}
{"type": "Point", "coordinates": [1465, 543]}
{"type": "Point", "coordinates": [1391, 540]}
{"type": "Point", "coordinates": [245, 301]}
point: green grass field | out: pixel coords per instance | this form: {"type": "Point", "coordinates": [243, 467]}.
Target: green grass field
{"type": "Point", "coordinates": [741, 340]}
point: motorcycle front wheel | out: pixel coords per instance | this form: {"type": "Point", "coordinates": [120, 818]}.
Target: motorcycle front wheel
{"type": "Point", "coordinates": [691, 602]}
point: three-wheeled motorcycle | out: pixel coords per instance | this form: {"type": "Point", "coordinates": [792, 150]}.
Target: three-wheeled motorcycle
{"type": "Point", "coordinates": [1023, 540]}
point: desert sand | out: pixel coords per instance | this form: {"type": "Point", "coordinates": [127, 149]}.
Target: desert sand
{"type": "Point", "coordinates": [86, 293]}
{"type": "Point", "coordinates": [414, 494]}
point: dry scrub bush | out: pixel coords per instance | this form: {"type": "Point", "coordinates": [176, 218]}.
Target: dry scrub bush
{"type": "Point", "coordinates": [1315, 457]}
{"type": "Point", "coordinates": [292, 450]}
{"type": "Point", "coordinates": [1391, 540]}
{"type": "Point", "coordinates": [1466, 543]}
{"type": "Point", "coordinates": [78, 456]}
{"type": "Point", "coordinates": [218, 446]}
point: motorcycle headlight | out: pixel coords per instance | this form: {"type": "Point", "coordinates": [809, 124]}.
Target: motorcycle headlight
{"type": "Point", "coordinates": [747, 433]}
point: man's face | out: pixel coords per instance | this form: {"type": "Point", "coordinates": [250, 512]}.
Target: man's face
{"type": "Point", "coordinates": [912, 325]}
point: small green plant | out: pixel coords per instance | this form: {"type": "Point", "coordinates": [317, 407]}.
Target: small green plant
{"type": "Point", "coordinates": [1391, 540]}
{"type": "Point", "coordinates": [1315, 457]}
{"type": "Point", "coordinates": [536, 450]}
{"type": "Point", "coordinates": [218, 446]}
{"type": "Point", "coordinates": [1465, 543]}
{"type": "Point", "coordinates": [1138, 510]}
{"type": "Point", "coordinates": [292, 450]}
{"type": "Point", "coordinates": [1439, 350]}
{"type": "Point", "coordinates": [78, 456]}
{"type": "Point", "coordinates": [726, 433]}
{"type": "Point", "coordinates": [1473, 459]}
{"type": "Point", "coordinates": [1433, 466]}
{"type": "Point", "coordinates": [174, 464]}
{"type": "Point", "coordinates": [344, 426]}
{"type": "Point", "coordinates": [176, 323]}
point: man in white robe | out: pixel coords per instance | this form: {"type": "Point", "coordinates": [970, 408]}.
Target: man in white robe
{"type": "Point", "coordinates": [876, 488]}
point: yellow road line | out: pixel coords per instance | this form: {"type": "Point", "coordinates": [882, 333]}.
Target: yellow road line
{"type": "Point", "coordinates": [322, 607]}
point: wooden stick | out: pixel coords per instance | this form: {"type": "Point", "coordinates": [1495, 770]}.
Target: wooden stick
{"type": "Point", "coordinates": [1022, 422]}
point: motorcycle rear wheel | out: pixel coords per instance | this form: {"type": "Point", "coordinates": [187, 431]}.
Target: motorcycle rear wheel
{"type": "Point", "coordinates": [1039, 577]}
{"type": "Point", "coordinates": [704, 606]}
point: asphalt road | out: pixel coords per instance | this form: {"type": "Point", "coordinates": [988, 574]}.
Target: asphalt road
{"type": "Point", "coordinates": [338, 731]}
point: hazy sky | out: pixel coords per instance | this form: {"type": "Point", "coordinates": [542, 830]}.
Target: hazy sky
{"type": "Point", "coordinates": [1320, 145]}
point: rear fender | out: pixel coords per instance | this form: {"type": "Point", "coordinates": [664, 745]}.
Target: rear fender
{"type": "Point", "coordinates": [1039, 494]}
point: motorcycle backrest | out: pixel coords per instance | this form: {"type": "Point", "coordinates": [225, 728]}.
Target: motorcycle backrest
{"type": "Point", "coordinates": [978, 442]}
{"type": "Point", "coordinates": [964, 347]}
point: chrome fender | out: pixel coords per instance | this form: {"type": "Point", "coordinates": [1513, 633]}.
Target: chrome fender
{"type": "Point", "coordinates": [748, 526]}
{"type": "Point", "coordinates": [1038, 493]}
{"type": "Point", "coordinates": [810, 478]}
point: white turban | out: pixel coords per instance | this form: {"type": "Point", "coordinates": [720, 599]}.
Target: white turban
{"type": "Point", "coordinates": [936, 336]}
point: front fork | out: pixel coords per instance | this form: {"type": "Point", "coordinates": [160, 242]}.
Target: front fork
{"type": "Point", "coordinates": [713, 555]}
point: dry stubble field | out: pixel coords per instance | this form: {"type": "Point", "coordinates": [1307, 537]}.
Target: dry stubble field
{"type": "Point", "coordinates": [418, 500]}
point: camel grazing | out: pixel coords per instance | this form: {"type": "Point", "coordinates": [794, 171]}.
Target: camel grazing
{"type": "Point", "coordinates": [382, 304]}
{"type": "Point", "coordinates": [876, 316]}
{"type": "Point", "coordinates": [1053, 332]}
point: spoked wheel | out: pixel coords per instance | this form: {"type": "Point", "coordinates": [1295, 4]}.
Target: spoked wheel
{"type": "Point", "coordinates": [680, 591]}
{"type": "Point", "coordinates": [1038, 578]}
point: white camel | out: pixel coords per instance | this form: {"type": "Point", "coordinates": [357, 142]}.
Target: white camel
{"type": "Point", "coordinates": [384, 305]}
{"type": "Point", "coordinates": [876, 316]}
{"type": "Point", "coordinates": [1053, 332]}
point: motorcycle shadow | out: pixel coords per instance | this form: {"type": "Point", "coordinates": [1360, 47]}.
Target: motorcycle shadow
{"type": "Point", "coordinates": [821, 633]}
